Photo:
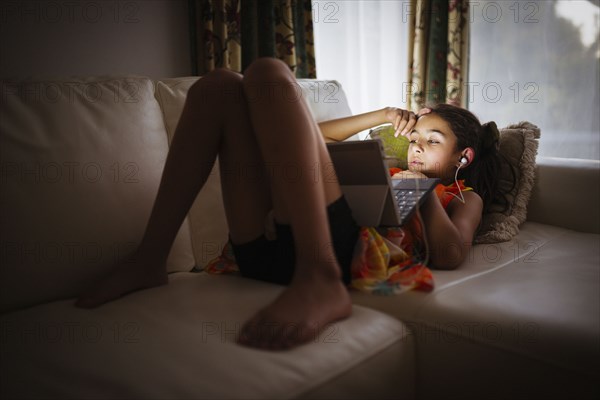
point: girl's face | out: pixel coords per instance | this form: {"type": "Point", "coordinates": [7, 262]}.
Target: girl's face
{"type": "Point", "coordinates": [432, 150]}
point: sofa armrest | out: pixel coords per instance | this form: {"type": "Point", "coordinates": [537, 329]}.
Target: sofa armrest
{"type": "Point", "coordinates": [566, 194]}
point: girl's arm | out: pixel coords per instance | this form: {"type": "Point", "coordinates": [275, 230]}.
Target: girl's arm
{"type": "Point", "coordinates": [450, 232]}
{"type": "Point", "coordinates": [341, 129]}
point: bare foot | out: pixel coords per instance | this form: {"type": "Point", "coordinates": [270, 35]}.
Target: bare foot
{"type": "Point", "coordinates": [125, 278]}
{"type": "Point", "coordinates": [297, 316]}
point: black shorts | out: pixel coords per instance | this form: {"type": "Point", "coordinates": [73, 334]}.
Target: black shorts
{"type": "Point", "coordinates": [274, 260]}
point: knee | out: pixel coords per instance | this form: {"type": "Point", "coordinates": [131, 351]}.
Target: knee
{"type": "Point", "coordinates": [216, 84]}
{"type": "Point", "coordinates": [270, 75]}
{"type": "Point", "coordinates": [267, 68]}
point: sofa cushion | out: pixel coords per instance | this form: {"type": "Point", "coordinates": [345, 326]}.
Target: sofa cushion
{"type": "Point", "coordinates": [178, 341]}
{"type": "Point", "coordinates": [482, 259]}
{"type": "Point", "coordinates": [531, 303]}
{"type": "Point", "coordinates": [549, 291]}
{"type": "Point", "coordinates": [81, 164]}
{"type": "Point", "coordinates": [538, 315]}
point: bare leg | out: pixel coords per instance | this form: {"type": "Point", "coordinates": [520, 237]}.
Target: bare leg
{"type": "Point", "coordinates": [214, 122]}
{"type": "Point", "coordinates": [288, 136]}
{"type": "Point", "coordinates": [214, 119]}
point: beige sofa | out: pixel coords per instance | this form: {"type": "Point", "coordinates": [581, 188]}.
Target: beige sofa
{"type": "Point", "coordinates": [81, 161]}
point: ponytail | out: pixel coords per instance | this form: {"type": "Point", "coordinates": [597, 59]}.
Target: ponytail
{"type": "Point", "coordinates": [484, 176]}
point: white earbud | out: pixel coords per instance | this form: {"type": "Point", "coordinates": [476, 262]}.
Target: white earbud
{"type": "Point", "coordinates": [464, 160]}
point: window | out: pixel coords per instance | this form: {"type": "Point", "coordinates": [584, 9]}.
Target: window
{"type": "Point", "coordinates": [529, 60]}
{"type": "Point", "coordinates": [538, 61]}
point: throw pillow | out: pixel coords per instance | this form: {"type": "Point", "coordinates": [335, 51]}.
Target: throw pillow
{"type": "Point", "coordinates": [519, 145]}
{"type": "Point", "coordinates": [395, 148]}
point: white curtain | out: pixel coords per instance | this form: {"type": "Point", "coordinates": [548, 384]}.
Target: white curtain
{"type": "Point", "coordinates": [363, 45]}
{"type": "Point", "coordinates": [538, 61]}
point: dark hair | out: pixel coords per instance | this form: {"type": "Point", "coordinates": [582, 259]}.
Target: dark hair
{"type": "Point", "coordinates": [482, 174]}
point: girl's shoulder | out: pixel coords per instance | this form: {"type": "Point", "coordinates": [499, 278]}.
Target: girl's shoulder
{"type": "Point", "coordinates": [473, 204]}
{"type": "Point", "coordinates": [472, 196]}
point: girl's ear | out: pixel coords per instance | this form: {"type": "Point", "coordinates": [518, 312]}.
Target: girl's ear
{"type": "Point", "coordinates": [469, 154]}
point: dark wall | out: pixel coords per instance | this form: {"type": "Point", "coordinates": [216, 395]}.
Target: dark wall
{"type": "Point", "coordinates": [94, 37]}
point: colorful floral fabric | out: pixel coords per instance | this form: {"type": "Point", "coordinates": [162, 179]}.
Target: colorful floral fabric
{"type": "Point", "coordinates": [224, 263]}
{"type": "Point", "coordinates": [447, 193]}
{"type": "Point", "coordinates": [391, 262]}
{"type": "Point", "coordinates": [233, 33]}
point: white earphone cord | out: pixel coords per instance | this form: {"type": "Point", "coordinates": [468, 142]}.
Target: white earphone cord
{"type": "Point", "coordinates": [461, 198]}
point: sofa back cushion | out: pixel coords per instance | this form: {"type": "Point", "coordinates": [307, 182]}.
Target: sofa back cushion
{"type": "Point", "coordinates": [566, 194]}
{"type": "Point", "coordinates": [81, 161]}
{"type": "Point", "coordinates": [518, 143]}
{"type": "Point", "coordinates": [326, 100]}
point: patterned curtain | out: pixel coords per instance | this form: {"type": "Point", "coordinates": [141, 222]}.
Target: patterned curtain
{"type": "Point", "coordinates": [438, 53]}
{"type": "Point", "coordinates": [232, 33]}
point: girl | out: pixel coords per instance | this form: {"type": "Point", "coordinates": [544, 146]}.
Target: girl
{"type": "Point", "coordinates": [255, 121]}
{"type": "Point", "coordinates": [450, 143]}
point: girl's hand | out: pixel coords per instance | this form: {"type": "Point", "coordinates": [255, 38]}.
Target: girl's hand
{"type": "Point", "coordinates": [409, 175]}
{"type": "Point", "coordinates": [402, 120]}
{"type": "Point", "coordinates": [423, 111]}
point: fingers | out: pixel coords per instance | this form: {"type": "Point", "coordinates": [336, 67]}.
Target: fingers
{"type": "Point", "coordinates": [403, 120]}
{"type": "Point", "coordinates": [423, 111]}
{"type": "Point", "coordinates": [406, 120]}
{"type": "Point", "coordinates": [397, 122]}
